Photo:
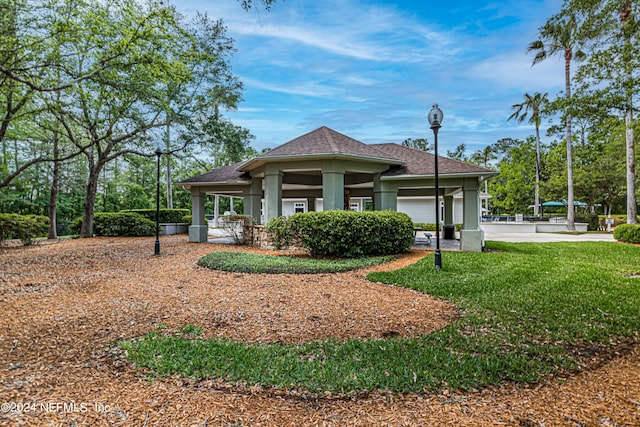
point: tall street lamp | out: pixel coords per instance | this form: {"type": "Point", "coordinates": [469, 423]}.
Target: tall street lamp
{"type": "Point", "coordinates": [435, 118]}
{"type": "Point", "coordinates": [158, 154]}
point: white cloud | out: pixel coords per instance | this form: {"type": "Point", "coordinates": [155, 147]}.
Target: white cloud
{"type": "Point", "coordinates": [307, 88]}
{"type": "Point", "coordinates": [359, 80]}
{"type": "Point", "coordinates": [350, 29]}
{"type": "Point", "coordinates": [513, 70]}
{"type": "Point", "coordinates": [372, 70]}
{"type": "Point", "coordinates": [243, 109]}
{"type": "Point", "coordinates": [328, 41]}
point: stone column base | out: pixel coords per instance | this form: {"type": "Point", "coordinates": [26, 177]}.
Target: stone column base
{"type": "Point", "coordinates": [471, 240]}
{"type": "Point", "coordinates": [198, 233]}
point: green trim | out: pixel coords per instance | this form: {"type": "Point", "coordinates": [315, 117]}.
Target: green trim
{"type": "Point", "coordinates": [260, 161]}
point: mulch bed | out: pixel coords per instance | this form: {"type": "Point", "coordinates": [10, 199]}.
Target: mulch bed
{"type": "Point", "coordinates": [65, 304]}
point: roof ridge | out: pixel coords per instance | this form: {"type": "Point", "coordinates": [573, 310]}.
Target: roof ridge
{"type": "Point", "coordinates": [327, 133]}
{"type": "Point", "coordinates": [327, 141]}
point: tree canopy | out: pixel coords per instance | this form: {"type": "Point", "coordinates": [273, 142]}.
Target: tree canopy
{"type": "Point", "coordinates": [104, 81]}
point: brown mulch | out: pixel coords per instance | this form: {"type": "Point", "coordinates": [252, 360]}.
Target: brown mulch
{"type": "Point", "coordinates": [64, 305]}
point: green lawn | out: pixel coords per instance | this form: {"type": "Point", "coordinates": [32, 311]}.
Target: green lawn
{"type": "Point", "coordinates": [527, 310]}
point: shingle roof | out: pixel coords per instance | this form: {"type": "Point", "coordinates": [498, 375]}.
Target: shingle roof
{"type": "Point", "coordinates": [224, 174]}
{"type": "Point", "coordinates": [326, 141]}
{"type": "Point", "coordinates": [418, 162]}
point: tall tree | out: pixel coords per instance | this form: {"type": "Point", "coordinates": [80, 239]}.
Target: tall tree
{"type": "Point", "coordinates": [629, 29]}
{"type": "Point", "coordinates": [418, 144]}
{"type": "Point", "coordinates": [610, 78]}
{"type": "Point", "coordinates": [602, 153]}
{"type": "Point", "coordinates": [532, 108]}
{"type": "Point", "coordinates": [31, 62]}
{"type": "Point", "coordinates": [458, 153]}
{"type": "Point", "coordinates": [482, 157]}
{"type": "Point", "coordinates": [560, 35]}
{"type": "Point", "coordinates": [14, 96]}
{"type": "Point", "coordinates": [196, 106]}
{"type": "Point", "coordinates": [248, 4]}
{"type": "Point", "coordinates": [117, 111]}
{"type": "Point", "coordinates": [512, 188]}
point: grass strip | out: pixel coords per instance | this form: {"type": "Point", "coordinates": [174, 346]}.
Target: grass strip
{"type": "Point", "coordinates": [255, 263]}
{"type": "Point", "coordinates": [526, 308]}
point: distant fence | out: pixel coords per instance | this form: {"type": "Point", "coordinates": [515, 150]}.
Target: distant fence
{"type": "Point", "coordinates": [525, 218]}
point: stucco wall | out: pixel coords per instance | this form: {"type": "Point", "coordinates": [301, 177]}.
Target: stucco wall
{"type": "Point", "coordinates": [420, 209]}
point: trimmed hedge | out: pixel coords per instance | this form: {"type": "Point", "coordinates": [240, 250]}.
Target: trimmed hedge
{"type": "Point", "coordinates": [345, 234]}
{"type": "Point", "coordinates": [430, 226]}
{"type": "Point", "coordinates": [629, 233]}
{"type": "Point", "coordinates": [25, 228]}
{"type": "Point", "coordinates": [166, 215]}
{"type": "Point", "coordinates": [618, 219]}
{"type": "Point", "coordinates": [118, 224]}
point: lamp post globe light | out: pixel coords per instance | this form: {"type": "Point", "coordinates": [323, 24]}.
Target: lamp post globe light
{"type": "Point", "coordinates": [435, 119]}
{"type": "Point", "coordinates": [158, 152]}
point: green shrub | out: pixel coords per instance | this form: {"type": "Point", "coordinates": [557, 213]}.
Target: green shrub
{"type": "Point", "coordinates": [629, 233]}
{"type": "Point", "coordinates": [618, 219]}
{"type": "Point", "coordinates": [166, 215]}
{"type": "Point", "coordinates": [75, 226]}
{"type": "Point", "coordinates": [621, 232]}
{"type": "Point", "coordinates": [42, 225]}
{"type": "Point", "coordinates": [592, 221]}
{"type": "Point", "coordinates": [122, 224]}
{"type": "Point", "coordinates": [25, 228]}
{"type": "Point", "coordinates": [281, 232]}
{"type": "Point", "coordinates": [426, 226]}
{"type": "Point", "coordinates": [430, 226]}
{"type": "Point", "coordinates": [62, 228]}
{"type": "Point", "coordinates": [118, 224]}
{"type": "Point", "coordinates": [345, 233]}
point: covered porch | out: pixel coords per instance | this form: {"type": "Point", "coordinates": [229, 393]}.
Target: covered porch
{"type": "Point", "coordinates": [326, 169]}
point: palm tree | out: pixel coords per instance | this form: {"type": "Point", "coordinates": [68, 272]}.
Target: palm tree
{"type": "Point", "coordinates": [560, 36]}
{"type": "Point", "coordinates": [628, 24]}
{"type": "Point", "coordinates": [482, 157]}
{"type": "Point", "coordinates": [487, 154]}
{"type": "Point", "coordinates": [534, 104]}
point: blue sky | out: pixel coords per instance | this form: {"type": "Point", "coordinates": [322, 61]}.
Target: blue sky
{"type": "Point", "coordinates": [373, 69]}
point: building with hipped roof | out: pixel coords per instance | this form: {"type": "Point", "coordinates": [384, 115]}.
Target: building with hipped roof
{"type": "Point", "coordinates": [324, 170]}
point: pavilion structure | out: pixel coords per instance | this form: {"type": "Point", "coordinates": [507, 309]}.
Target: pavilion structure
{"type": "Point", "coordinates": [328, 168]}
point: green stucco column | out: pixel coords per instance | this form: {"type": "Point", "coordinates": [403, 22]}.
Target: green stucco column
{"type": "Point", "coordinates": [471, 236]}
{"type": "Point", "coordinates": [332, 187]}
{"type": "Point", "coordinates": [385, 195]}
{"type": "Point", "coordinates": [448, 218]}
{"type": "Point", "coordinates": [311, 204]}
{"type": "Point", "coordinates": [272, 192]}
{"type": "Point", "coordinates": [253, 199]}
{"type": "Point", "coordinates": [448, 210]}
{"type": "Point", "coordinates": [199, 230]}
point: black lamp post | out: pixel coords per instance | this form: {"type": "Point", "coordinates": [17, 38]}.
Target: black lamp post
{"type": "Point", "coordinates": [158, 154]}
{"type": "Point", "coordinates": [435, 118]}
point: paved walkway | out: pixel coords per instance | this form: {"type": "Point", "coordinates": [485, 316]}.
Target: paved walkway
{"type": "Point", "coordinates": [221, 236]}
